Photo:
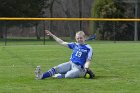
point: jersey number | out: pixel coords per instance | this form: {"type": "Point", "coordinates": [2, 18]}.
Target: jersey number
{"type": "Point", "coordinates": [78, 54]}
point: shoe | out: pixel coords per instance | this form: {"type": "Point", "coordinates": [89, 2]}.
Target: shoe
{"type": "Point", "coordinates": [58, 76]}
{"type": "Point", "coordinates": [38, 73]}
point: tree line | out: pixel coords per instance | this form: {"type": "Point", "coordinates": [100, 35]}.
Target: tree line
{"type": "Point", "coordinates": [116, 9]}
{"type": "Point", "coordinates": [61, 8]}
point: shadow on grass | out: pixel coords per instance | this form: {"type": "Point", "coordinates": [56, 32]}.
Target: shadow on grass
{"type": "Point", "coordinates": [105, 77]}
{"type": "Point", "coordinates": [96, 77]}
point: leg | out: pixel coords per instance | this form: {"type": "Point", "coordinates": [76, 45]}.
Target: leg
{"type": "Point", "coordinates": [72, 74]}
{"type": "Point", "coordinates": [76, 72]}
{"type": "Point", "coordinates": [62, 69]}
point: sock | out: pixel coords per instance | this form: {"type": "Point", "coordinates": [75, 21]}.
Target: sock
{"type": "Point", "coordinates": [49, 73]}
{"type": "Point", "coordinates": [61, 76]}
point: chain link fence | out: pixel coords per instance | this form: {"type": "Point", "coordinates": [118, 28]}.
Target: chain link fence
{"type": "Point", "coordinates": [32, 32]}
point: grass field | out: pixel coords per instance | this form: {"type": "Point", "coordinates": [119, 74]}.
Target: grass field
{"type": "Point", "coordinates": [116, 66]}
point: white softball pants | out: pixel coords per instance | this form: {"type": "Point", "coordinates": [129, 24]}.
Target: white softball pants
{"type": "Point", "coordinates": [70, 70]}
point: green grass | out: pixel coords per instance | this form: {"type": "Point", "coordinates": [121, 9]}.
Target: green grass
{"type": "Point", "coordinates": [116, 66]}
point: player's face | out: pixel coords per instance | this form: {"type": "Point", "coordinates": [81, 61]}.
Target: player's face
{"type": "Point", "coordinates": [80, 39]}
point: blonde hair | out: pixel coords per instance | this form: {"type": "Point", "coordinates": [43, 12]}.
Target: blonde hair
{"type": "Point", "coordinates": [80, 33]}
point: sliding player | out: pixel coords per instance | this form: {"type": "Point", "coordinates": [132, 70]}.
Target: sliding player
{"type": "Point", "coordinates": [79, 62]}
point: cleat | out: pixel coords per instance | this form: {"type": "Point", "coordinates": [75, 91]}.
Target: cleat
{"type": "Point", "coordinates": [38, 73]}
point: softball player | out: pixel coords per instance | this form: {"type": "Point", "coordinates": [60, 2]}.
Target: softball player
{"type": "Point", "coordinates": [79, 61]}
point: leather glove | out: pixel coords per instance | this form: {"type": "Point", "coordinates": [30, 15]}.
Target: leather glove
{"type": "Point", "coordinates": [92, 75]}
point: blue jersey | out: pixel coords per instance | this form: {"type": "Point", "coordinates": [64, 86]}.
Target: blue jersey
{"type": "Point", "coordinates": [80, 53]}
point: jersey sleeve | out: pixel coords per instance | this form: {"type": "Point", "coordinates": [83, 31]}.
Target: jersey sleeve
{"type": "Point", "coordinates": [71, 45]}
{"type": "Point", "coordinates": [90, 53]}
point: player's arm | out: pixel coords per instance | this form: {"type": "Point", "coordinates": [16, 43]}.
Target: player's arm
{"type": "Point", "coordinates": [90, 53]}
{"type": "Point", "coordinates": [89, 71]}
{"type": "Point", "coordinates": [87, 64]}
{"type": "Point", "coordinates": [60, 41]}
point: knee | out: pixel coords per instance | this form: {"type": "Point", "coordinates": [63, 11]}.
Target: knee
{"type": "Point", "coordinates": [69, 76]}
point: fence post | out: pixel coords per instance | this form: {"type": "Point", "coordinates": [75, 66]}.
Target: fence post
{"type": "Point", "coordinates": [5, 33]}
{"type": "Point", "coordinates": [114, 30]}
{"type": "Point", "coordinates": [44, 32]}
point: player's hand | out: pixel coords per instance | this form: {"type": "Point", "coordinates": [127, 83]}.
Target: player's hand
{"type": "Point", "coordinates": [48, 32]}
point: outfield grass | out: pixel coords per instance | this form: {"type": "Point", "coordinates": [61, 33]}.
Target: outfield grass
{"type": "Point", "coordinates": [116, 66]}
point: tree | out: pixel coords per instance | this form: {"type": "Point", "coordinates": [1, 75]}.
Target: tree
{"type": "Point", "coordinates": [20, 8]}
{"type": "Point", "coordinates": [113, 9]}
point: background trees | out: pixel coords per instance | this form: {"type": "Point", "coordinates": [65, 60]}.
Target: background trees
{"type": "Point", "coordinates": [114, 9]}
{"type": "Point", "coordinates": [74, 8]}
{"type": "Point", "coordinates": [53, 8]}
{"type": "Point", "coordinates": [21, 8]}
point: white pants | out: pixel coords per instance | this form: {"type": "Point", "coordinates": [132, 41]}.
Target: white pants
{"type": "Point", "coordinates": [70, 70]}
